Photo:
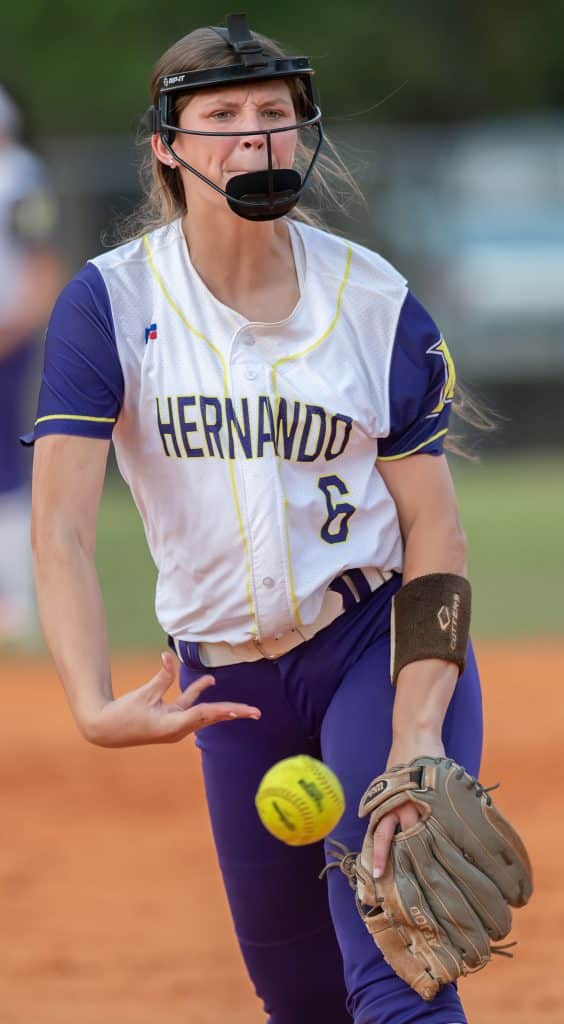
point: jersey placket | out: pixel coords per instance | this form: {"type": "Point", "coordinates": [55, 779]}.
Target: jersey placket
{"type": "Point", "coordinates": [260, 485]}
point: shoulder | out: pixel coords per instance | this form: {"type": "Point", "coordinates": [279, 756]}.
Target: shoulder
{"type": "Point", "coordinates": [82, 307]}
{"type": "Point", "coordinates": [365, 269]}
{"type": "Point", "coordinates": [139, 252]}
{"type": "Point", "coordinates": [421, 385]}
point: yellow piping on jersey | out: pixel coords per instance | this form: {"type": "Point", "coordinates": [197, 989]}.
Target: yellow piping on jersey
{"type": "Point", "coordinates": [287, 359]}
{"type": "Point", "coordinates": [332, 325]}
{"type": "Point", "coordinates": [71, 416]}
{"type": "Point", "coordinates": [193, 330]}
{"type": "Point", "coordinates": [403, 455]}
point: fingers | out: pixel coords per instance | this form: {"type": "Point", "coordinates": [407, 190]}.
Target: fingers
{"type": "Point", "coordinates": [383, 840]}
{"type": "Point", "coordinates": [164, 678]}
{"type": "Point", "coordinates": [209, 714]}
{"type": "Point", "coordinates": [218, 711]}
{"type": "Point", "coordinates": [182, 718]}
{"type": "Point", "coordinates": [169, 664]}
{"type": "Point", "coordinates": [404, 817]}
{"type": "Point", "coordinates": [181, 723]}
{"type": "Point", "coordinates": [408, 816]}
{"type": "Point", "coordinates": [192, 692]}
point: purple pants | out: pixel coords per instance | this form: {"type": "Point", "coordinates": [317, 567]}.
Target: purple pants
{"type": "Point", "coordinates": [306, 949]}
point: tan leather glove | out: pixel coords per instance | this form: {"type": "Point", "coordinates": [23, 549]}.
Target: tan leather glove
{"type": "Point", "coordinates": [449, 881]}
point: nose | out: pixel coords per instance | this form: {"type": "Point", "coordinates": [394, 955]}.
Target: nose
{"type": "Point", "coordinates": [250, 142]}
{"type": "Point", "coordinates": [255, 142]}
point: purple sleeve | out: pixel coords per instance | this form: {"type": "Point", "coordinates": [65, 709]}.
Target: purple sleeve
{"type": "Point", "coordinates": [422, 381]}
{"type": "Point", "coordinates": [82, 384]}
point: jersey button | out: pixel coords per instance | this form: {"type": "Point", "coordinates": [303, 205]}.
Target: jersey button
{"type": "Point", "coordinates": [268, 582]}
{"type": "Point", "coordinates": [251, 374]}
{"type": "Point", "coordinates": [249, 339]}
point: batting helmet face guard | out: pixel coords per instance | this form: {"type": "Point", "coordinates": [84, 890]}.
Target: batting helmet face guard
{"type": "Point", "coordinates": [257, 195]}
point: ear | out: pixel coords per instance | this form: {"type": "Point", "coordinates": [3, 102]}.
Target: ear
{"type": "Point", "coordinates": [161, 152]}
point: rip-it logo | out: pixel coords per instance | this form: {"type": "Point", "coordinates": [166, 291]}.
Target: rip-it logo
{"type": "Point", "coordinates": [173, 80]}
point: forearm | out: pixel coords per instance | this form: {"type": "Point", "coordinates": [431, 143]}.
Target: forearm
{"type": "Point", "coordinates": [424, 688]}
{"type": "Point", "coordinates": [72, 618]}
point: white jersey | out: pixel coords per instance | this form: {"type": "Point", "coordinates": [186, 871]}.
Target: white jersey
{"type": "Point", "coordinates": [250, 449]}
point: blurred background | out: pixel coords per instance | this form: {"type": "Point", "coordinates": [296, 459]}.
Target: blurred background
{"type": "Point", "coordinates": [451, 118]}
{"type": "Point", "coordinates": [452, 122]}
{"type": "Point", "coordinates": [453, 125]}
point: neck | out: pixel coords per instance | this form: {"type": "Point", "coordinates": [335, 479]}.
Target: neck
{"type": "Point", "coordinates": [225, 248]}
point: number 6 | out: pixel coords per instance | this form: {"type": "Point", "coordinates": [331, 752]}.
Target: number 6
{"type": "Point", "coordinates": [343, 508]}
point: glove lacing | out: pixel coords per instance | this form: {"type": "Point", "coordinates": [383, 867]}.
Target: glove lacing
{"type": "Point", "coordinates": [345, 859]}
{"type": "Point", "coordinates": [471, 781]}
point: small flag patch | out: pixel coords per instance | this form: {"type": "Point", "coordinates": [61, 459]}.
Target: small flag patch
{"type": "Point", "coordinates": [151, 333]}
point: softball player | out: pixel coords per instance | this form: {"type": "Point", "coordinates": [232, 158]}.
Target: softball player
{"type": "Point", "coordinates": [278, 402]}
{"type": "Point", "coordinates": [30, 279]}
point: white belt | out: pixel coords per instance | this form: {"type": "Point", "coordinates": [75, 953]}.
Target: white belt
{"type": "Point", "coordinates": [215, 654]}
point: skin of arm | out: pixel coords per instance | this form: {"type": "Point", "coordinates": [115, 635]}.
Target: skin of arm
{"type": "Point", "coordinates": [434, 541]}
{"type": "Point", "coordinates": [68, 475]}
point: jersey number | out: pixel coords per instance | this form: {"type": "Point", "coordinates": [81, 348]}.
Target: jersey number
{"type": "Point", "coordinates": [335, 529]}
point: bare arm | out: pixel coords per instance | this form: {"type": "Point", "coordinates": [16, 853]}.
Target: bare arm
{"type": "Point", "coordinates": [422, 489]}
{"type": "Point", "coordinates": [68, 474]}
{"type": "Point", "coordinates": [423, 492]}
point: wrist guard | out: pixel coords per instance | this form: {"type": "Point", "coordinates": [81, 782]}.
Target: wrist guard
{"type": "Point", "coordinates": [430, 619]}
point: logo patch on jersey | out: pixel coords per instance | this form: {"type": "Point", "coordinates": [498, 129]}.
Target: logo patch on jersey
{"type": "Point", "coordinates": [151, 333]}
{"type": "Point", "coordinates": [440, 348]}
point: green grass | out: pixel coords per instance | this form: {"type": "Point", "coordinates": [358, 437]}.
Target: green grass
{"type": "Point", "coordinates": [127, 572]}
{"type": "Point", "coordinates": [513, 514]}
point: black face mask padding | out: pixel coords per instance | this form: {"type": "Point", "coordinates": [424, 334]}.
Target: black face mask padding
{"type": "Point", "coordinates": [257, 195]}
{"type": "Point", "coordinates": [254, 187]}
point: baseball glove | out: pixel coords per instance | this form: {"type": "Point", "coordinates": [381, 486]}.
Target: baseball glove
{"type": "Point", "coordinates": [449, 880]}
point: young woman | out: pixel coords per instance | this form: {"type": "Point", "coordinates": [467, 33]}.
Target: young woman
{"type": "Point", "coordinates": [31, 278]}
{"type": "Point", "coordinates": [278, 401]}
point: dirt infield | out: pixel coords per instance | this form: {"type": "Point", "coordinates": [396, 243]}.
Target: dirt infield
{"type": "Point", "coordinates": [112, 909]}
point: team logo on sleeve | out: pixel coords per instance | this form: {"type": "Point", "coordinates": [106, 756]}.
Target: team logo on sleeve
{"type": "Point", "coordinates": [440, 348]}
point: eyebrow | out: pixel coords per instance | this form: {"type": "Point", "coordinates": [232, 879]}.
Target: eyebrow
{"type": "Point", "coordinates": [223, 102]}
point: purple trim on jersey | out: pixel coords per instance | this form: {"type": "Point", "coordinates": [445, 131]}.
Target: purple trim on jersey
{"type": "Point", "coordinates": [417, 379]}
{"type": "Point", "coordinates": [82, 386]}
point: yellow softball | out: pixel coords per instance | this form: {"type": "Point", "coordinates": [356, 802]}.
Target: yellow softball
{"type": "Point", "coordinates": [300, 800]}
